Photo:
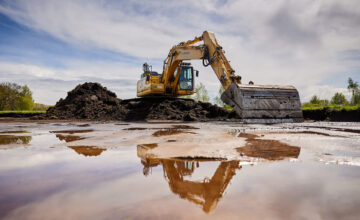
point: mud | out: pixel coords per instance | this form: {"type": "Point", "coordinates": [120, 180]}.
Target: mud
{"type": "Point", "coordinates": [88, 151]}
{"type": "Point", "coordinates": [95, 102]}
{"type": "Point", "coordinates": [13, 132]}
{"type": "Point", "coordinates": [337, 129]}
{"type": "Point", "coordinates": [267, 149]}
{"type": "Point", "coordinates": [171, 131]}
{"type": "Point", "coordinates": [72, 131]}
{"type": "Point", "coordinates": [13, 139]}
{"type": "Point", "coordinates": [83, 125]}
{"type": "Point", "coordinates": [184, 127]}
{"type": "Point", "coordinates": [69, 138]}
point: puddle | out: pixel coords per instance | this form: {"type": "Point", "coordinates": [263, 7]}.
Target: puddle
{"type": "Point", "coordinates": [13, 132]}
{"type": "Point", "coordinates": [267, 149]}
{"type": "Point", "coordinates": [205, 192]}
{"type": "Point", "coordinates": [13, 139]}
{"type": "Point", "coordinates": [49, 181]}
{"type": "Point", "coordinates": [69, 138]}
{"type": "Point", "coordinates": [170, 131]}
{"type": "Point", "coordinates": [72, 131]}
{"type": "Point", "coordinates": [88, 151]}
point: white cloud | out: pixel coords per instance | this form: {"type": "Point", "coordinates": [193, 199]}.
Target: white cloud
{"type": "Point", "coordinates": [300, 43]}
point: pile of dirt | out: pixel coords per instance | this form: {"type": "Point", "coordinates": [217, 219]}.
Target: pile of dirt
{"type": "Point", "coordinates": [93, 101]}
{"type": "Point", "coordinates": [88, 101]}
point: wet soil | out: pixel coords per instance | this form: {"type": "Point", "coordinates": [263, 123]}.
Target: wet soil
{"type": "Point", "coordinates": [336, 129]}
{"type": "Point", "coordinates": [72, 131]}
{"type": "Point", "coordinates": [93, 101]}
{"type": "Point", "coordinates": [170, 131]}
{"type": "Point", "coordinates": [69, 138]}
{"type": "Point", "coordinates": [267, 149]}
{"type": "Point", "coordinates": [114, 175]}
{"type": "Point", "coordinates": [13, 132]}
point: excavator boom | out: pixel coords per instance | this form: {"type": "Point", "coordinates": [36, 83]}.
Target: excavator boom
{"type": "Point", "coordinates": [253, 103]}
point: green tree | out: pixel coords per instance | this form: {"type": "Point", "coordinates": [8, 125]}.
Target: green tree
{"type": "Point", "coordinates": [218, 100]}
{"type": "Point", "coordinates": [355, 91]}
{"type": "Point", "coordinates": [201, 94]}
{"type": "Point", "coordinates": [315, 100]}
{"type": "Point", "coordinates": [15, 97]}
{"type": "Point", "coordinates": [339, 99]}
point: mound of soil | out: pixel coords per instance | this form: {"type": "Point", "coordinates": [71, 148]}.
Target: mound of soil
{"type": "Point", "coordinates": [93, 101]}
{"type": "Point", "coordinates": [88, 101]}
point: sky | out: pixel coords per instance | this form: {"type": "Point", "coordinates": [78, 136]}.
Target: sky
{"type": "Point", "coordinates": [53, 45]}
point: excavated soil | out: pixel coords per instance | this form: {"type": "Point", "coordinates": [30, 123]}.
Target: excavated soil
{"type": "Point", "coordinates": [95, 102]}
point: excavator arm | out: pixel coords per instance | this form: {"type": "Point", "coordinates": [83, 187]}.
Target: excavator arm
{"type": "Point", "coordinates": [253, 103]}
{"type": "Point", "coordinates": [211, 54]}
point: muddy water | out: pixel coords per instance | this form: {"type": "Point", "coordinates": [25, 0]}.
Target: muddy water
{"type": "Point", "coordinates": [226, 171]}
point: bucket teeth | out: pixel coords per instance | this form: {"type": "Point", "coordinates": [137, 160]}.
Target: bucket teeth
{"type": "Point", "coordinates": [264, 104]}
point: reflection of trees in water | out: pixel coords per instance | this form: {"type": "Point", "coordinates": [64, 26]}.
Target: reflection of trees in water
{"type": "Point", "coordinates": [208, 192]}
{"type": "Point", "coordinates": [13, 139]}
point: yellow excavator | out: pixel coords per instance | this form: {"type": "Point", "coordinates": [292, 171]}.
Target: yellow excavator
{"type": "Point", "coordinates": [253, 103]}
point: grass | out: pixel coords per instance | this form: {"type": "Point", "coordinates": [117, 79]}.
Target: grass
{"type": "Point", "coordinates": [333, 107]}
{"type": "Point", "coordinates": [22, 112]}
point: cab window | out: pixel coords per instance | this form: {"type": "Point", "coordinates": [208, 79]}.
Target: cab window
{"type": "Point", "coordinates": [186, 78]}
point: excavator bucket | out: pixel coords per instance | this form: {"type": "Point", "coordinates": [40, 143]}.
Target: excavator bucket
{"type": "Point", "coordinates": [264, 104]}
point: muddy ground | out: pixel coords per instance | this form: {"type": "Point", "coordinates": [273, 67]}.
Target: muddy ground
{"type": "Point", "coordinates": [70, 169]}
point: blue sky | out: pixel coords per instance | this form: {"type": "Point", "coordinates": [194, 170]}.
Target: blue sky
{"type": "Point", "coordinates": [54, 45]}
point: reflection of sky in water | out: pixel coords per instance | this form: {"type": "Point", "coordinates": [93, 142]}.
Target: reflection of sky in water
{"type": "Point", "coordinates": [48, 180]}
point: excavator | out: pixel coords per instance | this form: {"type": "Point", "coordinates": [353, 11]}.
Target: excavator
{"type": "Point", "coordinates": [253, 103]}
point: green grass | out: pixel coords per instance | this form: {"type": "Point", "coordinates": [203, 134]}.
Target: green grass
{"type": "Point", "coordinates": [22, 111]}
{"type": "Point", "coordinates": [332, 107]}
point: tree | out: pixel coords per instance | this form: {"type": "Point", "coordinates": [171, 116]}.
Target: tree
{"type": "Point", "coordinates": [315, 100]}
{"type": "Point", "coordinates": [355, 91]}
{"type": "Point", "coordinates": [15, 97]}
{"type": "Point", "coordinates": [339, 99]}
{"type": "Point", "coordinates": [218, 100]}
{"type": "Point", "coordinates": [201, 94]}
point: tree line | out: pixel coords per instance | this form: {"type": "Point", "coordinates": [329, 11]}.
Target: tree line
{"type": "Point", "coordinates": [15, 97]}
{"type": "Point", "coordinates": [338, 98]}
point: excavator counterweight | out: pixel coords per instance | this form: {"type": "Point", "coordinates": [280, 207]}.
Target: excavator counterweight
{"type": "Point", "coordinates": [253, 103]}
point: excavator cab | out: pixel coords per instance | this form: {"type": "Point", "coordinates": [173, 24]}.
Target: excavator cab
{"type": "Point", "coordinates": [186, 78]}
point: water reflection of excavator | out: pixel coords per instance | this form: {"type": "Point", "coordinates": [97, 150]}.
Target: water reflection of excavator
{"type": "Point", "coordinates": [206, 193]}
{"type": "Point", "coordinates": [253, 103]}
